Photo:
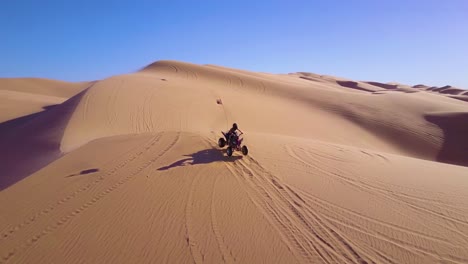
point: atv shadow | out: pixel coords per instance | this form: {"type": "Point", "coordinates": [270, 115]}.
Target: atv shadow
{"type": "Point", "coordinates": [83, 172]}
{"type": "Point", "coordinates": [202, 157]}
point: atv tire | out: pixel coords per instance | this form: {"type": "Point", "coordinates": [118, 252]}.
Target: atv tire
{"type": "Point", "coordinates": [221, 142]}
{"type": "Point", "coordinates": [229, 151]}
{"type": "Point", "coordinates": [245, 150]}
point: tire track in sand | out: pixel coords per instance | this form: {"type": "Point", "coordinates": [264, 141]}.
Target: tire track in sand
{"type": "Point", "coordinates": [417, 249]}
{"type": "Point", "coordinates": [226, 254]}
{"type": "Point", "coordinates": [78, 210]}
{"type": "Point", "coordinates": [303, 233]}
{"type": "Point", "coordinates": [343, 249]}
{"type": "Point", "coordinates": [335, 172]}
{"type": "Point", "coordinates": [192, 242]}
{"type": "Point", "coordinates": [137, 151]}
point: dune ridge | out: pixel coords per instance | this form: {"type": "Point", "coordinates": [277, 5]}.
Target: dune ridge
{"type": "Point", "coordinates": [23, 96]}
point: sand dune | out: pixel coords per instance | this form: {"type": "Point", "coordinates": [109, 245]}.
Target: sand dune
{"type": "Point", "coordinates": [126, 170]}
{"type": "Point", "coordinates": [30, 142]}
{"type": "Point", "coordinates": [447, 90]}
{"type": "Point", "coordinates": [23, 96]}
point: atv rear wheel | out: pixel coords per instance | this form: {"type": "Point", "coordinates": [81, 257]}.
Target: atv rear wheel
{"type": "Point", "coordinates": [245, 150]}
{"type": "Point", "coordinates": [229, 151]}
{"type": "Point", "coordinates": [221, 142]}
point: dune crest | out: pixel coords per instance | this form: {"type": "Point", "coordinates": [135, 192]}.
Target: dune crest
{"type": "Point", "coordinates": [23, 96]}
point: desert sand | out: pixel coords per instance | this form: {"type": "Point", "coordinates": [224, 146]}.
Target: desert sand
{"type": "Point", "coordinates": [127, 169]}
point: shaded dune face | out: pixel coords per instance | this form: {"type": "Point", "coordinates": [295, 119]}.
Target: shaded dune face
{"type": "Point", "coordinates": [23, 96]}
{"type": "Point", "coordinates": [128, 170]}
{"type": "Point", "coordinates": [31, 142]}
{"type": "Point", "coordinates": [455, 129]}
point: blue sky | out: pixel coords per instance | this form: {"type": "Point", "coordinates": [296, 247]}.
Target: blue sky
{"type": "Point", "coordinates": [411, 41]}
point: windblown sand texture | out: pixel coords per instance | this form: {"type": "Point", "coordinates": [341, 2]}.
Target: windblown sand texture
{"type": "Point", "coordinates": [127, 169]}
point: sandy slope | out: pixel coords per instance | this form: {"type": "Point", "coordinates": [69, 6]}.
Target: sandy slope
{"type": "Point", "coordinates": [339, 171]}
{"type": "Point", "coordinates": [23, 96]}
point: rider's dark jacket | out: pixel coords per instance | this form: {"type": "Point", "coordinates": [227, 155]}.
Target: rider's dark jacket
{"type": "Point", "coordinates": [232, 130]}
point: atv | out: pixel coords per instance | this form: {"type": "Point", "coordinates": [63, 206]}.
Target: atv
{"type": "Point", "coordinates": [234, 143]}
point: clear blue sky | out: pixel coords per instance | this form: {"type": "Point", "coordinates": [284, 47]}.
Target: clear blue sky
{"type": "Point", "coordinates": [409, 41]}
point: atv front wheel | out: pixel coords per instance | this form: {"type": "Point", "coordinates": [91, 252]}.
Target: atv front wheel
{"type": "Point", "coordinates": [221, 142]}
{"type": "Point", "coordinates": [229, 151]}
{"type": "Point", "coordinates": [245, 150]}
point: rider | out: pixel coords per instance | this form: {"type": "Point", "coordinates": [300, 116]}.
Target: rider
{"type": "Point", "coordinates": [232, 132]}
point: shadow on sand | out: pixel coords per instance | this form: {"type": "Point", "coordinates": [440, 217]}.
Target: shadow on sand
{"type": "Point", "coordinates": [202, 157]}
{"type": "Point", "coordinates": [455, 127]}
{"type": "Point", "coordinates": [83, 172]}
{"type": "Point", "coordinates": [29, 143]}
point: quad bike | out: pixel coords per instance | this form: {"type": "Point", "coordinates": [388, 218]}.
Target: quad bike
{"type": "Point", "coordinates": [234, 143]}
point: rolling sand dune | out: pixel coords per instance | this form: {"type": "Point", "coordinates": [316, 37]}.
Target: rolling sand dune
{"type": "Point", "coordinates": [449, 91]}
{"type": "Point", "coordinates": [23, 96]}
{"type": "Point", "coordinates": [127, 170]}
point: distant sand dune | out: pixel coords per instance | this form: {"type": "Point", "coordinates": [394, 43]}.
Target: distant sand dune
{"type": "Point", "coordinates": [23, 96]}
{"type": "Point", "coordinates": [384, 85]}
{"type": "Point", "coordinates": [357, 86]}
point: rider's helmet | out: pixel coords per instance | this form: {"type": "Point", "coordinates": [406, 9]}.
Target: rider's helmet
{"type": "Point", "coordinates": [234, 126]}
